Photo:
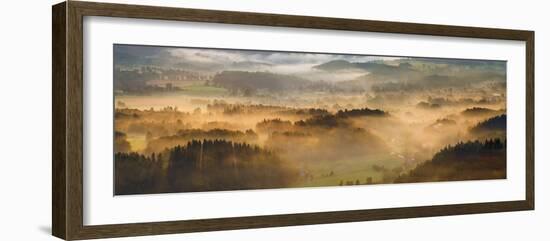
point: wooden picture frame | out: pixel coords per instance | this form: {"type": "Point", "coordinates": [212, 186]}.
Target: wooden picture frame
{"type": "Point", "coordinates": [67, 152]}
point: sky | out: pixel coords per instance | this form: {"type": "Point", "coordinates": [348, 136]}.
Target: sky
{"type": "Point", "coordinates": [214, 60]}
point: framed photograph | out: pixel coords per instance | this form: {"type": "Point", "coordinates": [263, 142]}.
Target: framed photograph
{"type": "Point", "coordinates": [171, 120]}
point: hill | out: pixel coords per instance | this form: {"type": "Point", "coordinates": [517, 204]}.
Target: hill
{"type": "Point", "coordinates": [252, 81]}
{"type": "Point", "coordinates": [475, 111]}
{"type": "Point", "coordinates": [201, 165]}
{"type": "Point", "coordinates": [497, 123]}
{"type": "Point", "coordinates": [494, 127]}
{"type": "Point", "coordinates": [185, 135]}
{"type": "Point", "coordinates": [464, 161]}
{"type": "Point", "coordinates": [383, 76]}
{"type": "Point", "coordinates": [336, 65]}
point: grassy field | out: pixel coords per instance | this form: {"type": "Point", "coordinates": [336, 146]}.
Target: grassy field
{"type": "Point", "coordinates": [203, 90]}
{"type": "Point", "coordinates": [327, 173]}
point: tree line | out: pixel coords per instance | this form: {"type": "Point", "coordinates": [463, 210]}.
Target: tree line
{"type": "Point", "coordinates": [202, 165]}
{"type": "Point", "coordinates": [471, 160]}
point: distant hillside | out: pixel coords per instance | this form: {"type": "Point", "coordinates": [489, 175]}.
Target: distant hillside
{"type": "Point", "coordinates": [186, 135]}
{"type": "Point", "coordinates": [336, 65]}
{"type": "Point", "coordinates": [377, 75]}
{"type": "Point", "coordinates": [361, 112]}
{"type": "Point", "coordinates": [440, 124]}
{"type": "Point", "coordinates": [426, 105]}
{"type": "Point", "coordinates": [372, 67]}
{"type": "Point", "coordinates": [494, 127]}
{"type": "Point", "coordinates": [340, 119]}
{"type": "Point", "coordinates": [419, 73]}
{"type": "Point", "coordinates": [241, 80]}
{"type": "Point", "coordinates": [463, 161]}
{"type": "Point", "coordinates": [478, 111]}
{"type": "Point", "coordinates": [132, 80]}
{"type": "Point", "coordinates": [137, 79]}
{"type": "Point", "coordinates": [497, 123]}
{"type": "Point", "coordinates": [469, 63]}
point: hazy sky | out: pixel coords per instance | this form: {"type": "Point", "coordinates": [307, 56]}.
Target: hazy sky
{"type": "Point", "coordinates": [220, 59]}
{"type": "Point", "coordinates": [428, 72]}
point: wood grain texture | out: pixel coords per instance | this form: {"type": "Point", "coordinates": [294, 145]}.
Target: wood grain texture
{"type": "Point", "coordinates": [74, 121]}
{"type": "Point", "coordinates": [122, 230]}
{"type": "Point", "coordinates": [264, 19]}
{"type": "Point", "coordinates": [58, 121]}
{"type": "Point", "coordinates": [67, 199]}
{"type": "Point", "coordinates": [530, 120]}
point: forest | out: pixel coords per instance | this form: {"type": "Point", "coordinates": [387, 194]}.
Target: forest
{"type": "Point", "coordinates": [205, 165]}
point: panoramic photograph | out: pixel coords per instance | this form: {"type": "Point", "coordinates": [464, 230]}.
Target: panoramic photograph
{"type": "Point", "coordinates": [190, 119]}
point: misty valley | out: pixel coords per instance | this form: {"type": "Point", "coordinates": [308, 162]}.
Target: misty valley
{"type": "Point", "coordinates": [193, 119]}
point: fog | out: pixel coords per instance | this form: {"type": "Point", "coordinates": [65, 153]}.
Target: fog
{"type": "Point", "coordinates": [343, 120]}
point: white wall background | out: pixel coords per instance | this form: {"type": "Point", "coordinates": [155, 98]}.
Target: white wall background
{"type": "Point", "coordinates": [25, 120]}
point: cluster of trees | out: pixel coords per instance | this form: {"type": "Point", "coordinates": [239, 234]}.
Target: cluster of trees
{"type": "Point", "coordinates": [325, 121]}
{"type": "Point", "coordinates": [185, 135]}
{"type": "Point", "coordinates": [472, 160]}
{"type": "Point", "coordinates": [438, 102]}
{"type": "Point", "coordinates": [124, 114]}
{"type": "Point", "coordinates": [273, 125]}
{"type": "Point", "coordinates": [138, 174]}
{"type": "Point", "coordinates": [494, 127]}
{"type": "Point", "coordinates": [306, 112]}
{"type": "Point", "coordinates": [134, 80]}
{"type": "Point", "coordinates": [468, 149]}
{"type": "Point", "coordinates": [205, 165]}
{"type": "Point", "coordinates": [338, 119]}
{"type": "Point", "coordinates": [360, 112]}
{"type": "Point", "coordinates": [368, 181]}
{"type": "Point", "coordinates": [427, 105]}
{"type": "Point", "coordinates": [444, 121]}
{"type": "Point", "coordinates": [478, 111]}
{"type": "Point", "coordinates": [237, 109]}
{"type": "Point", "coordinates": [276, 134]}
{"type": "Point", "coordinates": [497, 123]}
